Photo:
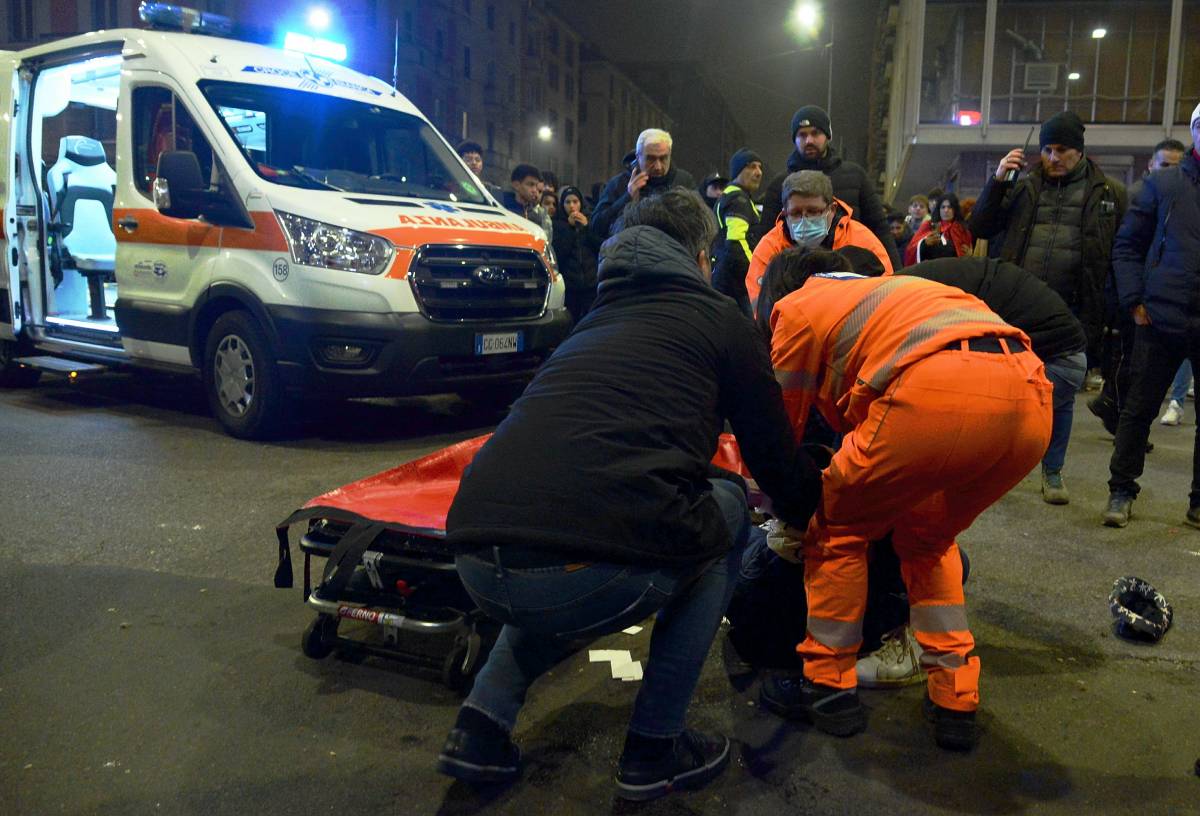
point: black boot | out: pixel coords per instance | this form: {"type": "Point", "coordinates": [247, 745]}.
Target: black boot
{"type": "Point", "coordinates": [479, 750]}
{"type": "Point", "coordinates": [953, 730]}
{"type": "Point", "coordinates": [650, 768]}
{"type": "Point", "coordinates": [832, 710]}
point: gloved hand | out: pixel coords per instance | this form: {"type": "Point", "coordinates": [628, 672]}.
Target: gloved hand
{"type": "Point", "coordinates": [785, 540]}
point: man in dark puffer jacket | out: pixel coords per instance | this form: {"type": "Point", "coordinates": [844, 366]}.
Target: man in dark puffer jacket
{"type": "Point", "coordinates": [811, 132]}
{"type": "Point", "coordinates": [1058, 224]}
{"type": "Point", "coordinates": [594, 503]}
{"type": "Point", "coordinates": [1157, 262]}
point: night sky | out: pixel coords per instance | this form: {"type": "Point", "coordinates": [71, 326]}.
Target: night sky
{"type": "Point", "coordinates": [761, 66]}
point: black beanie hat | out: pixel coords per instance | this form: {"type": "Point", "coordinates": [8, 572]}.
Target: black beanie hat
{"type": "Point", "coordinates": [811, 116]}
{"type": "Point", "coordinates": [1063, 128]}
{"type": "Point", "coordinates": [740, 159]}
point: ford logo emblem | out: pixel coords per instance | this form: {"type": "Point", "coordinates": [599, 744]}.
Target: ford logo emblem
{"type": "Point", "coordinates": [490, 275]}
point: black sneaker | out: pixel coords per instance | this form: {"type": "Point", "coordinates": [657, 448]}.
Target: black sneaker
{"type": "Point", "coordinates": [693, 760]}
{"type": "Point", "coordinates": [952, 730]}
{"type": "Point", "coordinates": [1192, 519]}
{"type": "Point", "coordinates": [473, 757]}
{"type": "Point", "coordinates": [1120, 508]}
{"type": "Point", "coordinates": [832, 710]}
{"type": "Point", "coordinates": [1104, 408]}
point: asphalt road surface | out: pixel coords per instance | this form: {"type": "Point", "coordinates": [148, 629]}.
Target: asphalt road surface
{"type": "Point", "coordinates": [148, 665]}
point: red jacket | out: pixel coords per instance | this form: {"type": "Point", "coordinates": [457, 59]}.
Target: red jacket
{"type": "Point", "coordinates": [955, 233]}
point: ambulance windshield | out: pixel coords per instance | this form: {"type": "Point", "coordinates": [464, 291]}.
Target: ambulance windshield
{"type": "Point", "coordinates": [322, 142]}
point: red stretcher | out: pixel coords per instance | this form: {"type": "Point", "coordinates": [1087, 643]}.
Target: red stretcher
{"type": "Point", "coordinates": [387, 565]}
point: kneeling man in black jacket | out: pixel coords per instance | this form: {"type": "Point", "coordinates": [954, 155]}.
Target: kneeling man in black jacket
{"type": "Point", "coordinates": [594, 504]}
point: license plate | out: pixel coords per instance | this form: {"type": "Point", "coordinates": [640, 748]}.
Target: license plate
{"type": "Point", "coordinates": [499, 343]}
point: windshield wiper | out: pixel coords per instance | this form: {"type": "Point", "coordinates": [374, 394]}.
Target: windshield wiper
{"type": "Point", "coordinates": [298, 172]}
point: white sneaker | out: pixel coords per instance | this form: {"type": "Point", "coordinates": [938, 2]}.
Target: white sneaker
{"type": "Point", "coordinates": [1173, 414]}
{"type": "Point", "coordinates": [894, 664]}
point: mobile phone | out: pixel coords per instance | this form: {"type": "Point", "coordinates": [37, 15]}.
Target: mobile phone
{"type": "Point", "coordinates": [1011, 175]}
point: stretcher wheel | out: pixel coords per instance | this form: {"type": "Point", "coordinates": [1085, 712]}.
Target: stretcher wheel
{"type": "Point", "coordinates": [456, 675]}
{"type": "Point", "coordinates": [319, 637]}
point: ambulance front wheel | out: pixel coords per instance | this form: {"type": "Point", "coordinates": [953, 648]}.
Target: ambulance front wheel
{"type": "Point", "coordinates": [11, 374]}
{"type": "Point", "coordinates": [242, 379]}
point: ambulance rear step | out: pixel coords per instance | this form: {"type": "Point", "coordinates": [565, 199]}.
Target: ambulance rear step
{"type": "Point", "coordinates": [71, 369]}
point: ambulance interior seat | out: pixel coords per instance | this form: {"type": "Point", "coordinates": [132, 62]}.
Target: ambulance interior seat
{"type": "Point", "coordinates": [81, 186]}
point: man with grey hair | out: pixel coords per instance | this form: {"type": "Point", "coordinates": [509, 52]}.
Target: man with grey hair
{"type": "Point", "coordinates": [649, 174]}
{"type": "Point", "coordinates": [620, 513]}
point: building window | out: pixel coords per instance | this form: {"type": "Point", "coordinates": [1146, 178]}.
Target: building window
{"type": "Point", "coordinates": [571, 52]}
{"type": "Point", "coordinates": [583, 110]}
{"type": "Point", "coordinates": [553, 117]}
{"type": "Point", "coordinates": [512, 33]}
{"type": "Point", "coordinates": [512, 88]}
{"type": "Point", "coordinates": [467, 62]}
{"type": "Point", "coordinates": [438, 45]}
{"type": "Point", "coordinates": [104, 13]}
{"type": "Point", "coordinates": [552, 40]}
{"type": "Point", "coordinates": [466, 6]}
{"type": "Point", "coordinates": [569, 83]}
{"type": "Point", "coordinates": [511, 142]}
{"type": "Point", "coordinates": [491, 17]}
{"type": "Point", "coordinates": [552, 76]}
{"type": "Point", "coordinates": [20, 20]}
{"type": "Point", "coordinates": [569, 131]}
{"type": "Point", "coordinates": [491, 137]}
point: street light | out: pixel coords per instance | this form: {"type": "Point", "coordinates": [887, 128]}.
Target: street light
{"type": "Point", "coordinates": [1099, 33]}
{"type": "Point", "coordinates": [545, 133]}
{"type": "Point", "coordinates": [1074, 75]}
{"type": "Point", "coordinates": [808, 17]}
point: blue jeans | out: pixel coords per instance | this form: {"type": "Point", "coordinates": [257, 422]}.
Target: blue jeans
{"type": "Point", "coordinates": [1183, 378]}
{"type": "Point", "coordinates": [549, 612]}
{"type": "Point", "coordinates": [1066, 375]}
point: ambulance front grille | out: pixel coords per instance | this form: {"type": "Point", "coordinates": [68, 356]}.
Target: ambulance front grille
{"type": "Point", "coordinates": [460, 283]}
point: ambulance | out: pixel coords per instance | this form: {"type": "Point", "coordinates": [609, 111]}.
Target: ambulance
{"type": "Point", "coordinates": [285, 227]}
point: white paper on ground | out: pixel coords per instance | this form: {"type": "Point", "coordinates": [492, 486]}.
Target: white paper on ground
{"type": "Point", "coordinates": [622, 664]}
{"type": "Point", "coordinates": [632, 630]}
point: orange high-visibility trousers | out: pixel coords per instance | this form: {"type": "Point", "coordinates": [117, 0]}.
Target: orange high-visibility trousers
{"type": "Point", "coordinates": [949, 436]}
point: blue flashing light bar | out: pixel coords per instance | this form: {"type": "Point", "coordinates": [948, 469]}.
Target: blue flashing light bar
{"type": "Point", "coordinates": [169, 17]}
{"type": "Point", "coordinates": [317, 47]}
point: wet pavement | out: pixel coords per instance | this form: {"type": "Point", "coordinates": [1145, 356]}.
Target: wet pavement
{"type": "Point", "coordinates": [147, 664]}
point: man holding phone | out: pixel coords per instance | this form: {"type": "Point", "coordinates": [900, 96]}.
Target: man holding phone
{"type": "Point", "coordinates": [649, 174]}
{"type": "Point", "coordinates": [1059, 222]}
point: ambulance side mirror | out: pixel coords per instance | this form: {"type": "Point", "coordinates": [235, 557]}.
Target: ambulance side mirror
{"type": "Point", "coordinates": [180, 191]}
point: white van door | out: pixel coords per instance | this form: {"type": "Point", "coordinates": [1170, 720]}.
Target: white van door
{"type": "Point", "coordinates": [10, 281]}
{"type": "Point", "coordinates": [164, 264]}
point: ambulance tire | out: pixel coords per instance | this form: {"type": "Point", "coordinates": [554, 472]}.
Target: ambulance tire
{"type": "Point", "coordinates": [11, 374]}
{"type": "Point", "coordinates": [237, 338]}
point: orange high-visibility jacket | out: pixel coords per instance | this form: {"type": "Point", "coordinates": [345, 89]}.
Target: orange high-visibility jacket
{"type": "Point", "coordinates": [840, 339]}
{"type": "Point", "coordinates": [847, 233]}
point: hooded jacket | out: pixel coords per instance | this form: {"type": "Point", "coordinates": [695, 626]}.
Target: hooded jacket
{"type": "Point", "coordinates": [850, 184]}
{"type": "Point", "coordinates": [615, 197]}
{"type": "Point", "coordinates": [533, 213]}
{"type": "Point", "coordinates": [605, 457]}
{"type": "Point", "coordinates": [1012, 208]}
{"type": "Point", "coordinates": [574, 247]}
{"type": "Point", "coordinates": [1156, 255]}
{"type": "Point", "coordinates": [844, 231]}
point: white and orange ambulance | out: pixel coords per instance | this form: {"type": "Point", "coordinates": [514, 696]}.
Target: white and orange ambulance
{"type": "Point", "coordinates": [278, 223]}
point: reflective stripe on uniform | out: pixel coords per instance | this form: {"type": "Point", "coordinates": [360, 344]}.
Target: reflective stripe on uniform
{"type": "Point", "coordinates": [736, 230]}
{"type": "Point", "coordinates": [939, 618]}
{"type": "Point", "coordinates": [923, 332]}
{"type": "Point", "coordinates": [854, 324]}
{"type": "Point", "coordinates": [797, 380]}
{"type": "Point", "coordinates": [943, 660]}
{"type": "Point", "coordinates": [837, 634]}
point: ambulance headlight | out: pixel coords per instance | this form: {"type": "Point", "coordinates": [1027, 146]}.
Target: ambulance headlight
{"type": "Point", "coordinates": [315, 243]}
{"type": "Point", "coordinates": [550, 258]}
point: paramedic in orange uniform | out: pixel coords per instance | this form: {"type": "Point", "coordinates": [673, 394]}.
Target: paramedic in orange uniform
{"type": "Point", "coordinates": [944, 409]}
{"type": "Point", "coordinates": [811, 219]}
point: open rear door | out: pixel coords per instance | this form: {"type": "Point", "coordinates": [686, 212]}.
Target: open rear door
{"type": "Point", "coordinates": [10, 279]}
